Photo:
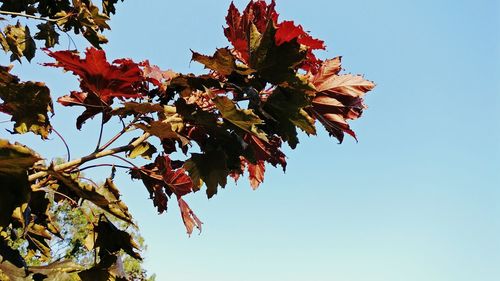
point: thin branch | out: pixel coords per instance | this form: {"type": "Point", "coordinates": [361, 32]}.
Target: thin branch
{"type": "Point", "coordinates": [89, 180]}
{"type": "Point", "coordinates": [100, 165]}
{"type": "Point", "coordinates": [49, 190]}
{"type": "Point", "coordinates": [124, 160]}
{"type": "Point", "coordinates": [92, 156]}
{"type": "Point", "coordinates": [32, 16]}
{"type": "Point", "coordinates": [64, 141]}
{"type": "Point", "coordinates": [100, 134]}
{"type": "Point", "coordinates": [117, 136]}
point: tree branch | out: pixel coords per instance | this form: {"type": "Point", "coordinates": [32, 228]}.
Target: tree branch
{"type": "Point", "coordinates": [32, 16]}
{"type": "Point", "coordinates": [92, 156]}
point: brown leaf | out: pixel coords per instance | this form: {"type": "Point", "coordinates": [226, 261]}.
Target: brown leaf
{"type": "Point", "coordinates": [29, 104]}
{"type": "Point", "coordinates": [347, 84]}
{"type": "Point", "coordinates": [188, 217]}
{"type": "Point", "coordinates": [222, 61]}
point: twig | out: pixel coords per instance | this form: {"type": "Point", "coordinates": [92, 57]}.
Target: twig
{"type": "Point", "coordinates": [32, 16]}
{"type": "Point", "coordinates": [64, 141]}
{"type": "Point", "coordinates": [92, 156]}
{"type": "Point", "coordinates": [100, 134]}
{"type": "Point", "coordinates": [100, 165]}
{"type": "Point", "coordinates": [124, 160]}
{"type": "Point", "coordinates": [117, 136]}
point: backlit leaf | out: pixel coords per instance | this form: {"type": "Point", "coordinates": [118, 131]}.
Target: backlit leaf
{"type": "Point", "coordinates": [211, 168]}
{"type": "Point", "coordinates": [29, 104]}
{"type": "Point", "coordinates": [243, 118]}
{"type": "Point", "coordinates": [100, 81]}
{"type": "Point", "coordinates": [188, 217]}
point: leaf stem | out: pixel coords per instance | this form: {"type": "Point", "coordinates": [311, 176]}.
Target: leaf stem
{"type": "Point", "coordinates": [117, 136]}
{"type": "Point", "coordinates": [100, 134]}
{"type": "Point", "coordinates": [92, 156]}
{"type": "Point", "coordinates": [124, 160]}
{"type": "Point", "coordinates": [65, 143]}
{"type": "Point", "coordinates": [100, 165]}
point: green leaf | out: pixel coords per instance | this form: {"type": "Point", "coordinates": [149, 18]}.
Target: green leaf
{"type": "Point", "coordinates": [29, 104]}
{"type": "Point", "coordinates": [48, 33]}
{"type": "Point", "coordinates": [287, 107]}
{"type": "Point", "coordinates": [242, 118]}
{"type": "Point", "coordinates": [17, 39]}
{"type": "Point", "coordinates": [144, 149]}
{"type": "Point", "coordinates": [210, 168]}
{"type": "Point", "coordinates": [166, 129]}
{"type": "Point", "coordinates": [276, 64]}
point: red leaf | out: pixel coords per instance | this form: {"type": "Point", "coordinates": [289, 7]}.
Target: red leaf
{"type": "Point", "coordinates": [238, 30]}
{"type": "Point", "coordinates": [339, 98]}
{"type": "Point", "coordinates": [347, 85]}
{"type": "Point", "coordinates": [288, 31]}
{"type": "Point", "coordinates": [177, 180]}
{"type": "Point", "coordinates": [256, 173]}
{"type": "Point", "coordinates": [100, 81]}
{"type": "Point", "coordinates": [188, 217]}
{"type": "Point", "coordinates": [156, 76]}
{"type": "Point", "coordinates": [269, 152]}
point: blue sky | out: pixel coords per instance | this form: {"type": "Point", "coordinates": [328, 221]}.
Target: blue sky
{"type": "Point", "coordinates": [416, 199]}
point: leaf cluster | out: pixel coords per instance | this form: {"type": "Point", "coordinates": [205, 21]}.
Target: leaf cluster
{"type": "Point", "coordinates": [63, 16]}
{"type": "Point", "coordinates": [197, 131]}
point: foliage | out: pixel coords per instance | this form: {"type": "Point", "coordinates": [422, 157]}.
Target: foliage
{"type": "Point", "coordinates": [255, 97]}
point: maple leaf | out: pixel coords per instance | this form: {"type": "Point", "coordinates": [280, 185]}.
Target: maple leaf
{"type": "Point", "coordinates": [108, 6]}
{"type": "Point", "coordinates": [287, 107]}
{"type": "Point", "coordinates": [105, 197]}
{"type": "Point", "coordinates": [17, 39]}
{"type": "Point", "coordinates": [27, 102]}
{"type": "Point", "coordinates": [110, 239]}
{"type": "Point", "coordinates": [255, 172]}
{"type": "Point", "coordinates": [47, 33]}
{"type": "Point", "coordinates": [144, 149]}
{"type": "Point", "coordinates": [288, 31]}
{"type": "Point", "coordinates": [258, 26]}
{"type": "Point", "coordinates": [210, 168]}
{"type": "Point", "coordinates": [161, 181]}
{"type": "Point", "coordinates": [100, 81]}
{"type": "Point", "coordinates": [156, 76]}
{"type": "Point", "coordinates": [269, 152]}
{"type": "Point", "coordinates": [135, 108]}
{"type": "Point", "coordinates": [177, 180]}
{"type": "Point", "coordinates": [188, 217]}
{"type": "Point", "coordinates": [154, 183]}
{"type": "Point", "coordinates": [222, 61]}
{"type": "Point", "coordinates": [245, 119]}
{"type": "Point", "coordinates": [15, 159]}
{"type": "Point", "coordinates": [338, 98]}
{"type": "Point", "coordinates": [258, 14]}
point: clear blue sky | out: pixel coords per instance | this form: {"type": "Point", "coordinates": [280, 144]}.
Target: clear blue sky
{"type": "Point", "coordinates": [418, 198]}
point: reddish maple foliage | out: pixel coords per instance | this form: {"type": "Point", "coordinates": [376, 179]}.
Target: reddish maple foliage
{"type": "Point", "coordinates": [257, 13]}
{"type": "Point", "coordinates": [265, 68]}
{"type": "Point", "coordinates": [260, 14]}
{"type": "Point", "coordinates": [100, 81]}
